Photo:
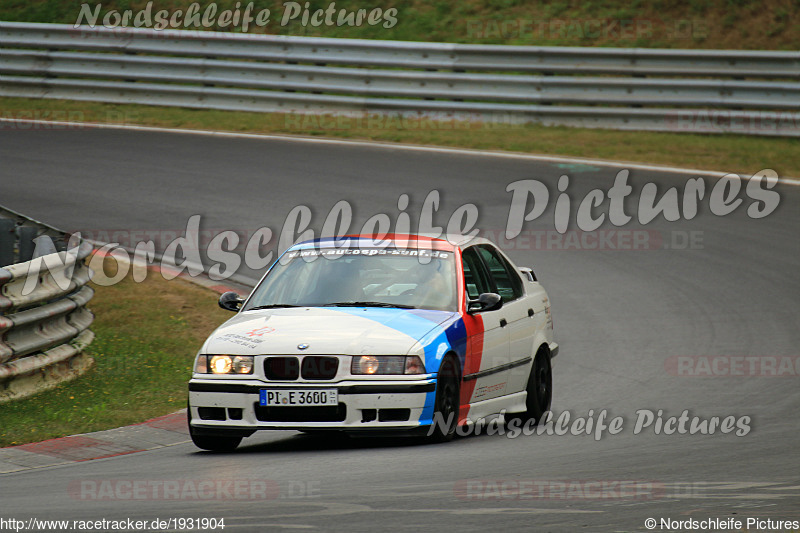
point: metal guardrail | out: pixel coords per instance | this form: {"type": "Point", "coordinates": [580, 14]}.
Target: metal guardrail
{"type": "Point", "coordinates": [43, 316]}
{"type": "Point", "coordinates": [753, 92]}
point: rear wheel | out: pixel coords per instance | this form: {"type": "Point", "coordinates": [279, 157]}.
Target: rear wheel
{"type": "Point", "coordinates": [539, 388]}
{"type": "Point", "coordinates": [447, 403]}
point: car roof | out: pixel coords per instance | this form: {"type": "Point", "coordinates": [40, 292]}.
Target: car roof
{"type": "Point", "coordinates": [401, 240]}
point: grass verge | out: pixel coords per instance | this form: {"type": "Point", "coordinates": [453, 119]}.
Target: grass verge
{"type": "Point", "coordinates": [729, 153]}
{"type": "Point", "coordinates": [738, 24]}
{"type": "Point", "coordinates": [146, 337]}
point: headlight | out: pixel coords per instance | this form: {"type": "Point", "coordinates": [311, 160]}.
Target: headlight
{"type": "Point", "coordinates": [243, 364]}
{"type": "Point", "coordinates": [221, 364]}
{"type": "Point", "coordinates": [224, 364]}
{"type": "Point", "coordinates": [386, 364]}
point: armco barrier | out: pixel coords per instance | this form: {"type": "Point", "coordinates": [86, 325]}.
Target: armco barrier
{"type": "Point", "coordinates": [708, 91]}
{"type": "Point", "coordinates": [43, 318]}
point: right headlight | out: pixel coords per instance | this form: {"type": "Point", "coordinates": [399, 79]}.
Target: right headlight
{"type": "Point", "coordinates": [372, 365]}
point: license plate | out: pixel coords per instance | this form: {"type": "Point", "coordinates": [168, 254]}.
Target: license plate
{"type": "Point", "coordinates": [298, 397]}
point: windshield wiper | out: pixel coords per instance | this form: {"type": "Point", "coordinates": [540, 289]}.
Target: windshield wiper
{"type": "Point", "coordinates": [271, 306]}
{"type": "Point", "coordinates": [368, 304]}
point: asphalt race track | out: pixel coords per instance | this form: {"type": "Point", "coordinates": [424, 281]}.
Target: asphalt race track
{"type": "Point", "coordinates": [622, 318]}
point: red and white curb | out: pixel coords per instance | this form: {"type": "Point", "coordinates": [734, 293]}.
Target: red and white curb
{"type": "Point", "coordinates": [167, 430]}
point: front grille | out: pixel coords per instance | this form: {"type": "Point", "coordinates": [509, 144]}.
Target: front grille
{"type": "Point", "coordinates": [301, 414]}
{"type": "Point", "coordinates": [282, 368]}
{"type": "Point", "coordinates": [315, 367]}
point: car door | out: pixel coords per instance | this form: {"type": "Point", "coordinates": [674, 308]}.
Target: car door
{"type": "Point", "coordinates": [485, 373]}
{"type": "Point", "coordinates": [519, 316]}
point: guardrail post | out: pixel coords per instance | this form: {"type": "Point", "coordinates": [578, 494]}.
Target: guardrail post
{"type": "Point", "coordinates": [26, 244]}
{"type": "Point", "coordinates": [7, 239]}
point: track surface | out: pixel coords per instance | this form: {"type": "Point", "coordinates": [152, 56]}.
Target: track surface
{"type": "Point", "coordinates": [619, 315]}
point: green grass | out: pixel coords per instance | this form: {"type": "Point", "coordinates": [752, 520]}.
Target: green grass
{"type": "Point", "coordinates": [729, 153]}
{"type": "Point", "coordinates": [735, 24]}
{"type": "Point", "coordinates": [146, 337]}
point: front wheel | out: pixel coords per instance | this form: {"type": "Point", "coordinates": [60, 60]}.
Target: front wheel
{"type": "Point", "coordinates": [539, 388]}
{"type": "Point", "coordinates": [446, 404]}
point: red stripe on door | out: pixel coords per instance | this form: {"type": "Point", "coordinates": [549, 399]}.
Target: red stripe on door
{"type": "Point", "coordinates": [472, 363]}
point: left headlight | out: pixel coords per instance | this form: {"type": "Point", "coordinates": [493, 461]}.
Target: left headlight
{"type": "Point", "coordinates": [224, 364]}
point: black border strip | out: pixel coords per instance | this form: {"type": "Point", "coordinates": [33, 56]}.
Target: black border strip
{"type": "Point", "coordinates": [224, 387]}
{"type": "Point", "coordinates": [351, 389]}
{"type": "Point", "coordinates": [495, 370]}
{"type": "Point", "coordinates": [388, 389]}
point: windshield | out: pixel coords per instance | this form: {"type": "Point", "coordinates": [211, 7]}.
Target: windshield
{"type": "Point", "coordinates": [422, 279]}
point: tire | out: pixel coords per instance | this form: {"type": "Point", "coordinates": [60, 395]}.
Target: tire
{"type": "Point", "coordinates": [447, 401]}
{"type": "Point", "coordinates": [539, 388]}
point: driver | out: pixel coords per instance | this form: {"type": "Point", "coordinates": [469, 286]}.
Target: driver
{"type": "Point", "coordinates": [432, 289]}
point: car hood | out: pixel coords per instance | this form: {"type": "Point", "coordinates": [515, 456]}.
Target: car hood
{"type": "Point", "coordinates": [335, 330]}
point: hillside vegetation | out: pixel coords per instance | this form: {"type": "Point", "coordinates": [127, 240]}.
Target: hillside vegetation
{"type": "Point", "coordinates": [718, 24]}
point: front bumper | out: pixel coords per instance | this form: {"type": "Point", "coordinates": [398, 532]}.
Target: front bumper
{"type": "Point", "coordinates": [217, 405]}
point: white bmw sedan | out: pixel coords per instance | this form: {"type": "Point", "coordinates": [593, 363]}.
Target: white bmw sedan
{"type": "Point", "coordinates": [411, 334]}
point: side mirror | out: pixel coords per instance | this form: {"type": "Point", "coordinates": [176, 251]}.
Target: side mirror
{"type": "Point", "coordinates": [528, 273]}
{"type": "Point", "coordinates": [230, 301]}
{"type": "Point", "coordinates": [488, 301]}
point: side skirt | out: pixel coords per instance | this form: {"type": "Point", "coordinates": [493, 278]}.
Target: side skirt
{"type": "Point", "coordinates": [513, 403]}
